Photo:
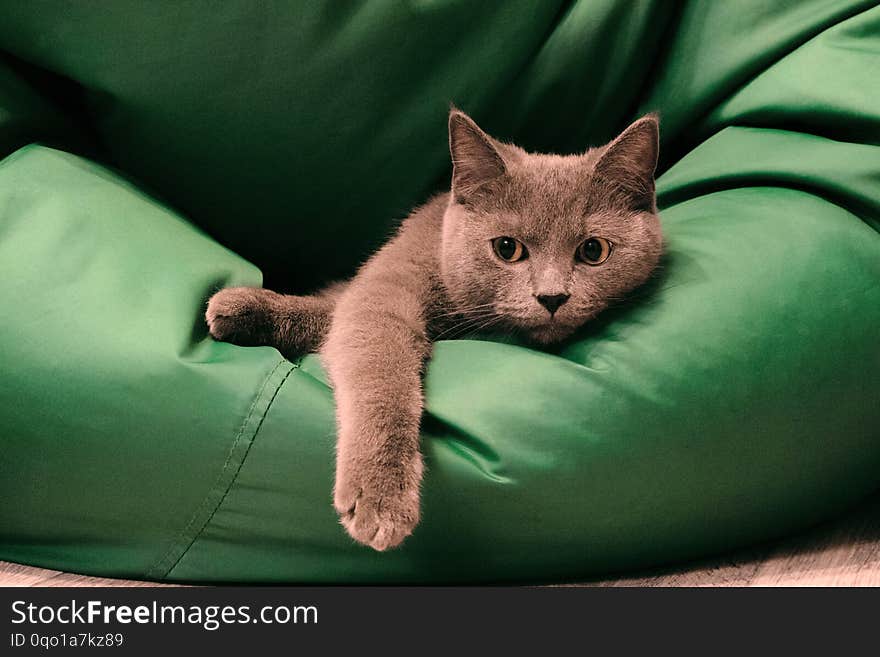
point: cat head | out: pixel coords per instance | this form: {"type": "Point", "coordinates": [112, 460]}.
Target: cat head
{"type": "Point", "coordinates": [540, 244]}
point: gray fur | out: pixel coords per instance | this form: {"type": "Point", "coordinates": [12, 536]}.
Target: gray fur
{"type": "Point", "coordinates": [440, 277]}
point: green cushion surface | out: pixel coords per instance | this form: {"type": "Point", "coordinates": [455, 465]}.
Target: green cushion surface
{"type": "Point", "coordinates": [732, 400]}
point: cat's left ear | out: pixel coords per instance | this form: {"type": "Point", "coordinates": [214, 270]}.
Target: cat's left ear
{"type": "Point", "coordinates": [475, 159]}
{"type": "Point", "coordinates": [629, 161]}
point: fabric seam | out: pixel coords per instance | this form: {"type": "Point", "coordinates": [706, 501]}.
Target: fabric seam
{"type": "Point", "coordinates": [235, 458]}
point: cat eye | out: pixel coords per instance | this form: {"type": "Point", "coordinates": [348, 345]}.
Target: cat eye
{"type": "Point", "coordinates": [509, 249]}
{"type": "Point", "coordinates": [594, 251]}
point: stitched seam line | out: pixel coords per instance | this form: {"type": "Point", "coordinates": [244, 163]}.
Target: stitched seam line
{"type": "Point", "coordinates": [238, 452]}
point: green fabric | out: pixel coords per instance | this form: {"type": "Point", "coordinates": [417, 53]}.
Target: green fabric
{"type": "Point", "coordinates": [733, 400]}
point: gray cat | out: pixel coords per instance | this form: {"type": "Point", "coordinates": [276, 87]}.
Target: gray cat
{"type": "Point", "coordinates": [531, 243]}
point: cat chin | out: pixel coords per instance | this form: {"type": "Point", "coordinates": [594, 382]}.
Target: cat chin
{"type": "Point", "coordinates": [549, 333]}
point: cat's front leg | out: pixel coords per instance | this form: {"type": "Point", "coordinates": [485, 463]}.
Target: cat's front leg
{"type": "Point", "coordinates": [251, 316]}
{"type": "Point", "coordinates": [375, 358]}
{"type": "Point", "coordinates": [242, 315]}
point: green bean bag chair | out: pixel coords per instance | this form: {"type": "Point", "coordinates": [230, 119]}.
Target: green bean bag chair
{"type": "Point", "coordinates": [155, 152]}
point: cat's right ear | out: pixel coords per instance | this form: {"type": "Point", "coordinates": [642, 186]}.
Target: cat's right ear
{"type": "Point", "coordinates": [475, 160]}
{"type": "Point", "coordinates": [629, 161]}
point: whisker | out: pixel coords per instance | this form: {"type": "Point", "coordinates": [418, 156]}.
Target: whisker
{"type": "Point", "coordinates": [467, 324]}
{"type": "Point", "coordinates": [492, 321]}
{"type": "Point", "coordinates": [465, 310]}
{"type": "Point", "coordinates": [477, 326]}
{"type": "Point", "coordinates": [485, 312]}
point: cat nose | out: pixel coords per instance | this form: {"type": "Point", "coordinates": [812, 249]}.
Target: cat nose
{"type": "Point", "coordinates": [552, 301]}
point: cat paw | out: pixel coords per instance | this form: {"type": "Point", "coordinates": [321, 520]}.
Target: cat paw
{"type": "Point", "coordinates": [236, 314]}
{"type": "Point", "coordinates": [380, 518]}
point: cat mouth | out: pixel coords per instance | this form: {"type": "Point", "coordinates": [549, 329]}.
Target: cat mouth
{"type": "Point", "coordinates": [550, 333]}
{"type": "Point", "coordinates": [541, 328]}
{"type": "Point", "coordinates": [546, 331]}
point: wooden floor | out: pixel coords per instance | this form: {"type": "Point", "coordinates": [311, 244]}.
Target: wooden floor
{"type": "Point", "coordinates": [845, 552]}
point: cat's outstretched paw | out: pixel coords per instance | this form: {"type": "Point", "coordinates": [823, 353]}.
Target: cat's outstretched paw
{"type": "Point", "coordinates": [379, 512]}
{"type": "Point", "coordinates": [238, 314]}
